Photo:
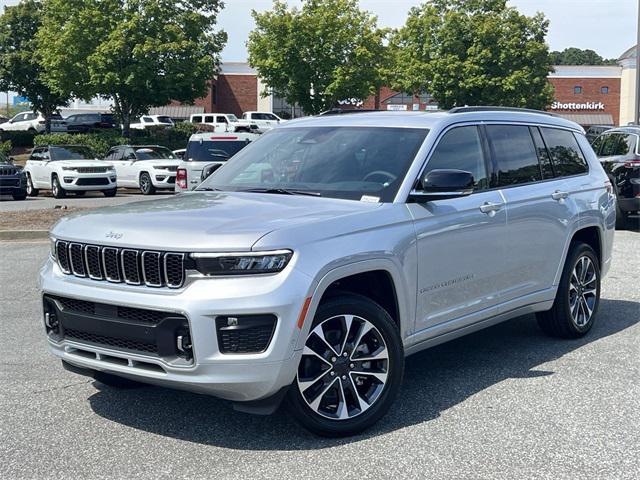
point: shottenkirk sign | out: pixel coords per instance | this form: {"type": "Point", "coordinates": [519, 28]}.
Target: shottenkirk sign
{"type": "Point", "coordinates": [577, 106]}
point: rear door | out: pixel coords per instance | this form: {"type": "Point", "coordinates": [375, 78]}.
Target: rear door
{"type": "Point", "coordinates": [460, 240]}
{"type": "Point", "coordinates": [541, 209]}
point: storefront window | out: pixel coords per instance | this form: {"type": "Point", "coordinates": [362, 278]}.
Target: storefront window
{"type": "Point", "coordinates": [577, 89]}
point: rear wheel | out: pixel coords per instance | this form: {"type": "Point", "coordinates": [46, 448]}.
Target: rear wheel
{"type": "Point", "coordinates": [146, 185]}
{"type": "Point", "coordinates": [576, 305]}
{"type": "Point", "coordinates": [31, 191]}
{"type": "Point", "coordinates": [56, 189]}
{"type": "Point", "coordinates": [351, 368]}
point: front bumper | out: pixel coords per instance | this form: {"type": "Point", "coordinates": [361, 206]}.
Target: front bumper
{"type": "Point", "coordinates": [75, 182]}
{"type": "Point", "coordinates": [13, 185]}
{"type": "Point", "coordinates": [237, 377]}
{"type": "Point", "coordinates": [163, 179]}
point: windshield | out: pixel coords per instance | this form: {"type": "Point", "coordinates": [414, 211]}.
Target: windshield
{"type": "Point", "coordinates": [72, 152]}
{"type": "Point", "coordinates": [232, 118]}
{"type": "Point", "coordinates": [353, 163]}
{"type": "Point", "coordinates": [213, 151]}
{"type": "Point", "coordinates": [153, 153]}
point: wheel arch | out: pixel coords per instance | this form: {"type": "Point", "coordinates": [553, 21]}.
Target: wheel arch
{"type": "Point", "coordinates": [591, 236]}
{"type": "Point", "coordinates": [377, 279]}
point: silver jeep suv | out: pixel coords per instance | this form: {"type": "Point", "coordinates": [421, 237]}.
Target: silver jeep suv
{"type": "Point", "coordinates": [327, 251]}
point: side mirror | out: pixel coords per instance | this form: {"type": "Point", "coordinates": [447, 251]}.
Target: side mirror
{"type": "Point", "coordinates": [11, 160]}
{"type": "Point", "coordinates": [443, 184]}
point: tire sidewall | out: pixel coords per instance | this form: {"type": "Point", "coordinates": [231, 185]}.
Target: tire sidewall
{"type": "Point", "coordinates": [56, 189]}
{"type": "Point", "coordinates": [363, 307]}
{"type": "Point", "coordinates": [577, 252]}
{"type": "Point", "coordinates": [149, 189]}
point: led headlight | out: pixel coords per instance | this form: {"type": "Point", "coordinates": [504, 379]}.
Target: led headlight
{"type": "Point", "coordinates": [52, 242]}
{"type": "Point", "coordinates": [241, 263]}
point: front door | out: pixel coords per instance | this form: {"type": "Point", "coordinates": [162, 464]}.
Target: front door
{"type": "Point", "coordinates": [459, 241]}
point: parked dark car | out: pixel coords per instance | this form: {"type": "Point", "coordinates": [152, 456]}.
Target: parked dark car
{"type": "Point", "coordinates": [594, 130]}
{"type": "Point", "coordinates": [619, 152]}
{"type": "Point", "coordinates": [12, 179]}
{"type": "Point", "coordinates": [85, 122]}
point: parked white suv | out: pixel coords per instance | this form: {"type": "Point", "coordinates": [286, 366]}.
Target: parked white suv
{"type": "Point", "coordinates": [147, 167]}
{"type": "Point", "coordinates": [264, 120]}
{"type": "Point", "coordinates": [146, 121]}
{"type": "Point", "coordinates": [68, 168]}
{"type": "Point", "coordinates": [224, 122]}
{"type": "Point", "coordinates": [318, 258]}
{"type": "Point", "coordinates": [33, 122]}
{"type": "Point", "coordinates": [205, 153]}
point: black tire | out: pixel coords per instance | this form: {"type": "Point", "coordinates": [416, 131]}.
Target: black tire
{"type": "Point", "coordinates": [56, 188]}
{"type": "Point", "coordinates": [31, 191]}
{"type": "Point", "coordinates": [332, 310]}
{"type": "Point", "coordinates": [559, 321]}
{"type": "Point", "coordinates": [110, 193]}
{"type": "Point", "coordinates": [19, 196]}
{"type": "Point", "coordinates": [115, 381]}
{"type": "Point", "coordinates": [80, 193]}
{"type": "Point", "coordinates": [146, 186]}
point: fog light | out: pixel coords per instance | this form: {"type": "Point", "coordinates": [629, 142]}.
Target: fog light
{"type": "Point", "coordinates": [68, 179]}
{"type": "Point", "coordinates": [113, 179]}
{"type": "Point", "coordinates": [51, 322]}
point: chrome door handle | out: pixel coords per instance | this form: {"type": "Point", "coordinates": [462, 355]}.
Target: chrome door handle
{"type": "Point", "coordinates": [558, 195]}
{"type": "Point", "coordinates": [490, 207]}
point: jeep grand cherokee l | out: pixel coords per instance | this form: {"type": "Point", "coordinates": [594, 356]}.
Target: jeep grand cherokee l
{"type": "Point", "coordinates": [327, 251]}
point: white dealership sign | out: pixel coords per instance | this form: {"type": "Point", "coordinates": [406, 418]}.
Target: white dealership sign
{"type": "Point", "coordinates": [396, 107]}
{"type": "Point", "coordinates": [577, 106]}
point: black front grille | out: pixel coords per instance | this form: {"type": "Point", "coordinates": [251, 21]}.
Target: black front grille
{"type": "Point", "coordinates": [87, 182]}
{"type": "Point", "coordinates": [92, 169]}
{"type": "Point", "coordinates": [245, 334]}
{"type": "Point", "coordinates": [118, 327]}
{"type": "Point", "coordinates": [135, 267]}
{"type": "Point", "coordinates": [114, 342]}
{"type": "Point", "coordinates": [8, 171]}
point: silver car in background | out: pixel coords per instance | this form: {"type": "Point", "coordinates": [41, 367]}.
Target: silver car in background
{"type": "Point", "coordinates": [327, 251]}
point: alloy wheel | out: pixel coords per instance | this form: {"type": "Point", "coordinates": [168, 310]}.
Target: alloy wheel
{"type": "Point", "coordinates": [344, 367]}
{"type": "Point", "coordinates": [29, 186]}
{"type": "Point", "coordinates": [583, 291]}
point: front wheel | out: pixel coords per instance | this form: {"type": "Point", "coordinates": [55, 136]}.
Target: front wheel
{"type": "Point", "coordinates": [110, 193]}
{"type": "Point", "coordinates": [576, 304]}
{"type": "Point", "coordinates": [56, 189]}
{"type": "Point", "coordinates": [146, 185]}
{"type": "Point", "coordinates": [351, 367]}
{"type": "Point", "coordinates": [19, 196]}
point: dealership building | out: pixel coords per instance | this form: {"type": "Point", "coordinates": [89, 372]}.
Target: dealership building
{"type": "Point", "coordinates": [586, 94]}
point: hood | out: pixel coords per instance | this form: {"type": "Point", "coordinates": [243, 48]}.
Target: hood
{"type": "Point", "coordinates": [168, 162]}
{"type": "Point", "coordinates": [81, 163]}
{"type": "Point", "coordinates": [202, 221]}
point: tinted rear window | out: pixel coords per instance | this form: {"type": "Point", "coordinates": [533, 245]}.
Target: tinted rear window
{"type": "Point", "coordinates": [213, 151]}
{"type": "Point", "coordinates": [616, 144]}
{"type": "Point", "coordinates": [565, 153]}
{"type": "Point", "coordinates": [515, 154]}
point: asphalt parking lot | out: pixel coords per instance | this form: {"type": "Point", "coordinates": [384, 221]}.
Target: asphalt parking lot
{"type": "Point", "coordinates": [506, 402]}
{"type": "Point", "coordinates": [90, 200]}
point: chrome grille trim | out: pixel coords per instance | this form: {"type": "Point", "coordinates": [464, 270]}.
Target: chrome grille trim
{"type": "Point", "coordinates": [167, 280]}
{"type": "Point", "coordinates": [78, 270]}
{"type": "Point", "coordinates": [127, 275]}
{"type": "Point", "coordinates": [145, 277]}
{"type": "Point", "coordinates": [110, 278]}
{"type": "Point", "coordinates": [117, 265]}
{"type": "Point", "coordinates": [88, 261]}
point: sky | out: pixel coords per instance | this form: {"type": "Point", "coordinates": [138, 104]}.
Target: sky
{"type": "Point", "coordinates": [606, 26]}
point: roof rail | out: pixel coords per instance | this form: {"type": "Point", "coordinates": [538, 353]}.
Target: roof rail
{"type": "Point", "coordinates": [498, 109]}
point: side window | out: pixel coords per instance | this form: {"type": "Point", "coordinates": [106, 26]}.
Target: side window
{"type": "Point", "coordinates": [543, 153]}
{"type": "Point", "coordinates": [208, 119]}
{"type": "Point", "coordinates": [196, 119]}
{"type": "Point", "coordinates": [147, 119]}
{"type": "Point", "coordinates": [565, 153]}
{"type": "Point", "coordinates": [515, 154]}
{"type": "Point", "coordinates": [129, 154]}
{"type": "Point", "coordinates": [20, 118]}
{"type": "Point", "coordinates": [270, 116]}
{"type": "Point", "coordinates": [618, 144]}
{"type": "Point", "coordinates": [221, 119]}
{"type": "Point", "coordinates": [597, 143]}
{"type": "Point", "coordinates": [45, 154]}
{"type": "Point", "coordinates": [461, 149]}
{"type": "Point", "coordinates": [112, 155]}
{"type": "Point", "coordinates": [36, 155]}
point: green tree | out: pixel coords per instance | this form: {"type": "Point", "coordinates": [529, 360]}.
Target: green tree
{"type": "Point", "coordinates": [20, 69]}
{"type": "Point", "coordinates": [139, 53]}
{"type": "Point", "coordinates": [577, 56]}
{"type": "Point", "coordinates": [473, 52]}
{"type": "Point", "coordinates": [327, 51]}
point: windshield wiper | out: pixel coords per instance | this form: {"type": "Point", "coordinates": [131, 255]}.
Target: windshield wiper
{"type": "Point", "coordinates": [282, 191]}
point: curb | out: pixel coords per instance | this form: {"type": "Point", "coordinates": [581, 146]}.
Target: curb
{"type": "Point", "coordinates": [7, 235]}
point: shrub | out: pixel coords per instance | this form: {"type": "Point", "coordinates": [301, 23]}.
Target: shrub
{"type": "Point", "coordinates": [5, 147]}
{"type": "Point", "coordinates": [18, 138]}
{"type": "Point", "coordinates": [101, 141]}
